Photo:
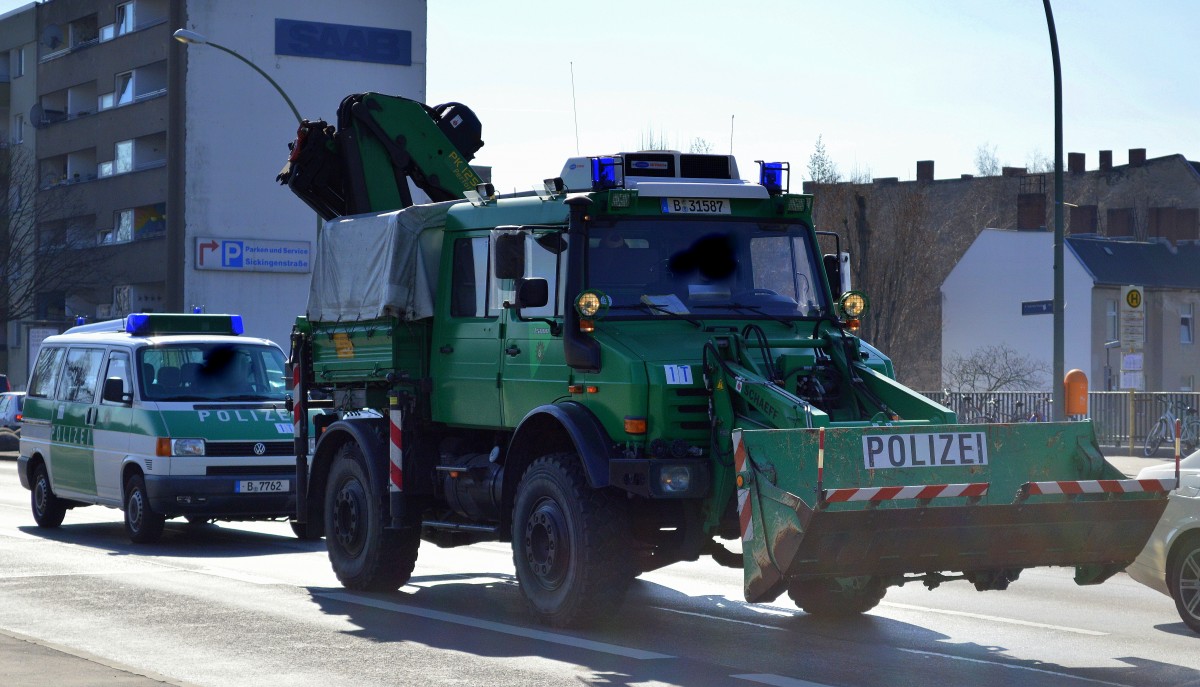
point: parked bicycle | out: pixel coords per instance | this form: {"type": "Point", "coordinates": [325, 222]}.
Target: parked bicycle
{"type": "Point", "coordinates": [1164, 429]}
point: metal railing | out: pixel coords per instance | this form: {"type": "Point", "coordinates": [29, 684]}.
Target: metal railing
{"type": "Point", "coordinates": [1113, 413]}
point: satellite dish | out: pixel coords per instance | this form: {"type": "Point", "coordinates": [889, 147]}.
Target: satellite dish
{"type": "Point", "coordinates": [51, 37]}
{"type": "Point", "coordinates": [37, 117]}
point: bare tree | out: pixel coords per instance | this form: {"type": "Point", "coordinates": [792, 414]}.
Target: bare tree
{"type": "Point", "coordinates": [1037, 162]}
{"type": "Point", "coordinates": [42, 237]}
{"type": "Point", "coordinates": [651, 140]}
{"type": "Point", "coordinates": [986, 162]}
{"type": "Point", "coordinates": [821, 167]}
{"type": "Point", "coordinates": [700, 146]}
{"type": "Point", "coordinates": [994, 368]}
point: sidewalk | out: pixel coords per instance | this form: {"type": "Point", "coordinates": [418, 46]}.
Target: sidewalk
{"type": "Point", "coordinates": [25, 662]}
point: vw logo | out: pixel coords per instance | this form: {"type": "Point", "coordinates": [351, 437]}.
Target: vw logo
{"type": "Point", "coordinates": [260, 448]}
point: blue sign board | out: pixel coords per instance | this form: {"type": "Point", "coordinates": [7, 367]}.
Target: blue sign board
{"type": "Point", "coordinates": [343, 42]}
{"type": "Point", "coordinates": [1037, 307]}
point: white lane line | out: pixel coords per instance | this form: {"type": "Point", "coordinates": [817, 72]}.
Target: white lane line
{"type": "Point", "coordinates": [717, 617]}
{"type": "Point", "coordinates": [504, 628]}
{"type": "Point", "coordinates": [777, 680]}
{"type": "Point", "coordinates": [1012, 666]}
{"type": "Point", "coordinates": [998, 619]}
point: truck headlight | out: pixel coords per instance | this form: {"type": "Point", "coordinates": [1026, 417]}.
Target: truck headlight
{"type": "Point", "coordinates": [675, 478]}
{"type": "Point", "coordinates": [592, 304]}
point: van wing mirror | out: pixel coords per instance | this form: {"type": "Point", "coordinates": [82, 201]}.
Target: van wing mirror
{"type": "Point", "coordinates": [114, 391]}
{"type": "Point", "coordinates": [532, 293]}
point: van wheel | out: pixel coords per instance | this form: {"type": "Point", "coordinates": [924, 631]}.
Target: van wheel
{"type": "Point", "coordinates": [833, 597]}
{"type": "Point", "coordinates": [142, 524]}
{"type": "Point", "coordinates": [570, 544]}
{"type": "Point", "coordinates": [48, 509]}
{"type": "Point", "coordinates": [305, 530]}
{"type": "Point", "coordinates": [365, 554]}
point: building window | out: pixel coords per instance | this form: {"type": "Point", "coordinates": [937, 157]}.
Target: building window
{"type": "Point", "coordinates": [19, 62]}
{"type": "Point", "coordinates": [18, 130]}
{"type": "Point", "coordinates": [122, 226]}
{"type": "Point", "coordinates": [124, 90]}
{"type": "Point", "coordinates": [1111, 321]}
{"type": "Point", "coordinates": [1187, 383]}
{"type": "Point", "coordinates": [1186, 320]}
{"type": "Point", "coordinates": [123, 160]}
{"type": "Point", "coordinates": [124, 23]}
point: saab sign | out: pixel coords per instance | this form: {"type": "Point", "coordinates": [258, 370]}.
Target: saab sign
{"type": "Point", "coordinates": [343, 42]}
{"type": "Point", "coordinates": [253, 255]}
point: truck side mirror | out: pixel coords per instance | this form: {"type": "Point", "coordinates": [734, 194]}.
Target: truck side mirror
{"type": "Point", "coordinates": [114, 391]}
{"type": "Point", "coordinates": [532, 293]}
{"type": "Point", "coordinates": [510, 256]}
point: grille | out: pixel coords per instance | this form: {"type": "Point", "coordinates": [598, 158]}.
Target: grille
{"type": "Point", "coordinates": [246, 448]}
{"type": "Point", "coordinates": [215, 470]}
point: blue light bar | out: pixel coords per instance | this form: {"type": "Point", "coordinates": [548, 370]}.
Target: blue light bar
{"type": "Point", "coordinates": [775, 176]}
{"type": "Point", "coordinates": [604, 173]}
{"type": "Point", "coordinates": [149, 324]}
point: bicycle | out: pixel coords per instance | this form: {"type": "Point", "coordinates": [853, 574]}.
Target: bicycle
{"type": "Point", "coordinates": [1164, 428]}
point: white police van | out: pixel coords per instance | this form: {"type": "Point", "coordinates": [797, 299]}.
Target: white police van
{"type": "Point", "coordinates": [160, 415]}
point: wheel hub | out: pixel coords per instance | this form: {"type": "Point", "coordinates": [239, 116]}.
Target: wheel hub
{"type": "Point", "coordinates": [134, 510]}
{"type": "Point", "coordinates": [347, 518]}
{"type": "Point", "coordinates": [547, 548]}
{"type": "Point", "coordinates": [1189, 584]}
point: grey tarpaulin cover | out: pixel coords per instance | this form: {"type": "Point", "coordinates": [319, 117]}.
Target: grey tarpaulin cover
{"type": "Point", "coordinates": [372, 266]}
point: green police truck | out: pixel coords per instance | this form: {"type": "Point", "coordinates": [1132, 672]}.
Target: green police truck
{"type": "Point", "coordinates": [647, 361]}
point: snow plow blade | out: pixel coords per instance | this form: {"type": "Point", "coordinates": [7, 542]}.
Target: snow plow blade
{"type": "Point", "coordinates": [978, 501]}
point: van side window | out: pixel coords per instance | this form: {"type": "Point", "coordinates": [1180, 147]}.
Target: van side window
{"type": "Point", "coordinates": [118, 367]}
{"type": "Point", "coordinates": [45, 372]}
{"type": "Point", "coordinates": [82, 371]}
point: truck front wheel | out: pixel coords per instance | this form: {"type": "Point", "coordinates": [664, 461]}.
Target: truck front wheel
{"type": "Point", "coordinates": [569, 543]}
{"type": "Point", "coordinates": [365, 554]}
{"type": "Point", "coordinates": [841, 596]}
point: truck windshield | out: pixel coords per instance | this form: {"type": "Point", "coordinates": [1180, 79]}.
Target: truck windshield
{"type": "Point", "coordinates": [211, 372]}
{"type": "Point", "coordinates": [744, 269]}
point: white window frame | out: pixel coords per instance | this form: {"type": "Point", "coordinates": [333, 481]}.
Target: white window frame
{"type": "Point", "coordinates": [124, 25]}
{"type": "Point", "coordinates": [1187, 324]}
{"type": "Point", "coordinates": [1112, 320]}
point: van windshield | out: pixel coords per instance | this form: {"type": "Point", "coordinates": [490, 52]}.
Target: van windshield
{"type": "Point", "coordinates": [211, 372]}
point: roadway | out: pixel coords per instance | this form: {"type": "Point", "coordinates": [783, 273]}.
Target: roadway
{"type": "Point", "coordinates": [238, 603]}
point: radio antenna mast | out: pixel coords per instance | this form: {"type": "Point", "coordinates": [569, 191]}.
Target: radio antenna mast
{"type": "Point", "coordinates": [731, 134]}
{"type": "Point", "coordinates": [574, 108]}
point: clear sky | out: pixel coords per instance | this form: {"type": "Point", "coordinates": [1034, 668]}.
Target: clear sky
{"type": "Point", "coordinates": [884, 83]}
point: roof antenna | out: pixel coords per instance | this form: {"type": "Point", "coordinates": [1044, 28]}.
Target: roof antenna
{"type": "Point", "coordinates": [731, 134]}
{"type": "Point", "coordinates": [574, 109]}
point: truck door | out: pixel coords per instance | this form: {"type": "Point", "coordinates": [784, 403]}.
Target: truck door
{"type": "Point", "coordinates": [466, 338]}
{"type": "Point", "coordinates": [74, 421]}
{"type": "Point", "coordinates": [113, 420]}
{"type": "Point", "coordinates": [532, 368]}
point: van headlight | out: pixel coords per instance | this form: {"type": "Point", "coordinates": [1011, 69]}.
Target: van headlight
{"type": "Point", "coordinates": [187, 447]}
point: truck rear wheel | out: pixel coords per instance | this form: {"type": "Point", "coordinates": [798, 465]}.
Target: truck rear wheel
{"type": "Point", "coordinates": [569, 544]}
{"type": "Point", "coordinates": [832, 597]}
{"type": "Point", "coordinates": [366, 556]}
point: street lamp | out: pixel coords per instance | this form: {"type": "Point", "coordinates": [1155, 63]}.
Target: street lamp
{"type": "Point", "coordinates": [192, 38]}
{"type": "Point", "coordinates": [1059, 327]}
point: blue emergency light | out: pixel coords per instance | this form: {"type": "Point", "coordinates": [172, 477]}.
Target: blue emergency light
{"type": "Point", "coordinates": [148, 324]}
{"type": "Point", "coordinates": [604, 173]}
{"type": "Point", "coordinates": [775, 176]}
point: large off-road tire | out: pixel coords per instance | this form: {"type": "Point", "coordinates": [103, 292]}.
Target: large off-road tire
{"type": "Point", "coordinates": [1158, 434]}
{"type": "Point", "coordinates": [48, 509]}
{"type": "Point", "coordinates": [142, 524]}
{"type": "Point", "coordinates": [1183, 578]}
{"type": "Point", "coordinates": [366, 556]}
{"type": "Point", "coordinates": [831, 597]}
{"type": "Point", "coordinates": [570, 544]}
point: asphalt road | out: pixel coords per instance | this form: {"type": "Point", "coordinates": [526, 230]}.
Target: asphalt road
{"type": "Point", "coordinates": [239, 604]}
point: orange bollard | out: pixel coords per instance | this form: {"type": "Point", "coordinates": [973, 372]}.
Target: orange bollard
{"type": "Point", "coordinates": [1076, 393]}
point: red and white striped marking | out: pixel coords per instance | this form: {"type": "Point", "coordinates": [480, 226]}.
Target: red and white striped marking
{"type": "Point", "coordinates": [745, 509]}
{"type": "Point", "coordinates": [926, 491]}
{"type": "Point", "coordinates": [395, 447]}
{"type": "Point", "coordinates": [1099, 486]}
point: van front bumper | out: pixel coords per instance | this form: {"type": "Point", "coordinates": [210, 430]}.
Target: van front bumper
{"type": "Point", "coordinates": [217, 497]}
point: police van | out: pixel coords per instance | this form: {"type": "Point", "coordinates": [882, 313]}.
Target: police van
{"type": "Point", "coordinates": [161, 416]}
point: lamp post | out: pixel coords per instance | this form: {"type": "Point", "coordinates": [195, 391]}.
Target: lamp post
{"type": "Point", "coordinates": [192, 38]}
{"type": "Point", "coordinates": [1057, 375]}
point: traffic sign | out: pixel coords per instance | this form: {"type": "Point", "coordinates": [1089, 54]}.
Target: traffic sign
{"type": "Point", "coordinates": [253, 255]}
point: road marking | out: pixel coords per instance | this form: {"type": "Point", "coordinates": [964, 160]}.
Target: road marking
{"type": "Point", "coordinates": [1013, 666]}
{"type": "Point", "coordinates": [777, 680]}
{"type": "Point", "coordinates": [504, 628]}
{"type": "Point", "coordinates": [998, 619]}
{"type": "Point", "coordinates": [717, 617]}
